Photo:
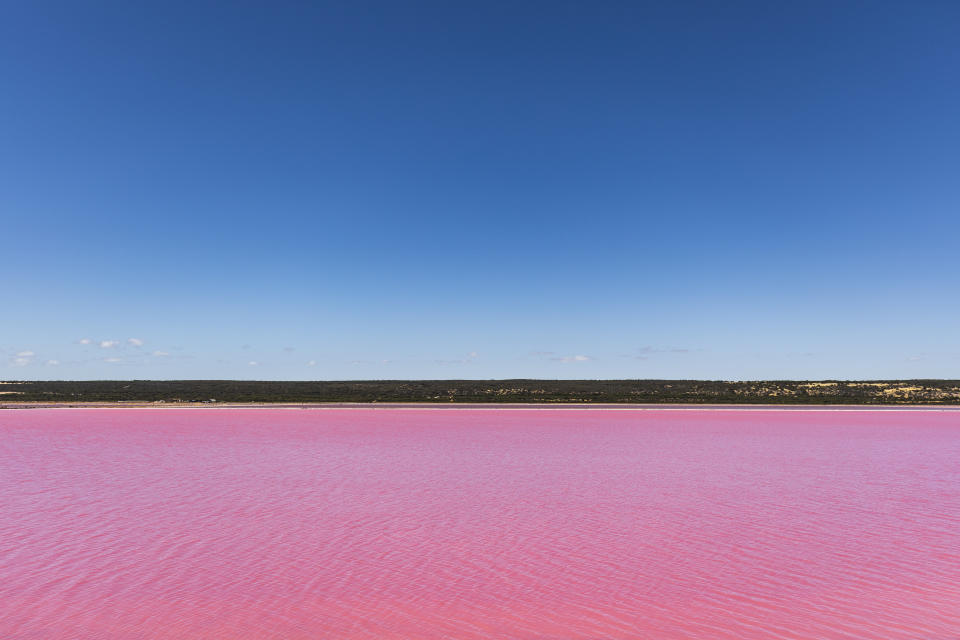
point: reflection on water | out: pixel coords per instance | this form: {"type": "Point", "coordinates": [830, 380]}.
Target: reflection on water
{"type": "Point", "coordinates": [356, 523]}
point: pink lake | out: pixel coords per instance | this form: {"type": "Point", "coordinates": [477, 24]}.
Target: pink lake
{"type": "Point", "coordinates": [478, 523]}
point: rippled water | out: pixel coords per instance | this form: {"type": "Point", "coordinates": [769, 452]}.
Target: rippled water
{"type": "Point", "coordinates": [462, 523]}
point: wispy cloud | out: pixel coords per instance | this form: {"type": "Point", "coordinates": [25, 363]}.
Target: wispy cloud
{"type": "Point", "coordinates": [22, 358]}
{"type": "Point", "coordinates": [136, 342]}
{"type": "Point", "coordinates": [650, 349]}
{"type": "Point", "coordinates": [645, 353]}
{"type": "Point", "coordinates": [470, 357]}
{"type": "Point", "coordinates": [160, 354]}
{"type": "Point", "coordinates": [84, 340]}
{"type": "Point", "coordinates": [252, 363]}
{"type": "Point", "coordinates": [108, 344]}
{"type": "Point", "coordinates": [113, 360]}
{"type": "Point", "coordinates": [312, 363]}
{"type": "Point", "coordinates": [53, 363]}
{"type": "Point", "coordinates": [577, 358]}
{"type": "Point", "coordinates": [552, 355]}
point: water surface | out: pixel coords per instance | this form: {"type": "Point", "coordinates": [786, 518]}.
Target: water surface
{"type": "Point", "coordinates": [478, 523]}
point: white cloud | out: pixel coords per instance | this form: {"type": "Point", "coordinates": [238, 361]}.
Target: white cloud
{"type": "Point", "coordinates": [253, 363]}
{"type": "Point", "coordinates": [107, 344]}
{"type": "Point", "coordinates": [113, 360]}
{"type": "Point", "coordinates": [53, 363]}
{"type": "Point", "coordinates": [312, 363]}
{"type": "Point", "coordinates": [577, 358]}
{"type": "Point", "coordinates": [137, 342]}
{"type": "Point", "coordinates": [472, 354]}
{"type": "Point", "coordinates": [21, 362]}
{"type": "Point", "coordinates": [85, 340]}
{"type": "Point", "coordinates": [26, 354]}
{"type": "Point", "coordinates": [160, 354]}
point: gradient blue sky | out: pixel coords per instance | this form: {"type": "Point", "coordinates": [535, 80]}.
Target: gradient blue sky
{"type": "Point", "coordinates": [357, 190]}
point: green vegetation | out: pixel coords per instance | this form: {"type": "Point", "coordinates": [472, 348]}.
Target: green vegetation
{"type": "Point", "coordinates": [480, 391]}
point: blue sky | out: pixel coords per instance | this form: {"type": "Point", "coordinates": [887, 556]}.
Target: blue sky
{"type": "Point", "coordinates": [479, 190]}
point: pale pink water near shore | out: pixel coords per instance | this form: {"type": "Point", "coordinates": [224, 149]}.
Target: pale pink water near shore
{"type": "Point", "coordinates": [362, 523]}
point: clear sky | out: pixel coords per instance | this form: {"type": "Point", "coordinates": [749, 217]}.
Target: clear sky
{"type": "Point", "coordinates": [292, 190]}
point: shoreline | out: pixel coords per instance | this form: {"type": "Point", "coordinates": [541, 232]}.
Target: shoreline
{"type": "Point", "coordinates": [490, 406]}
{"type": "Point", "coordinates": [519, 392]}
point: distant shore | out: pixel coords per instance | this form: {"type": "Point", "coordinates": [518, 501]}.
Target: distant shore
{"type": "Point", "coordinates": [482, 392]}
{"type": "Point", "coordinates": [491, 406]}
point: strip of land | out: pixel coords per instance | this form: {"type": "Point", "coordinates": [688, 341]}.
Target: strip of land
{"type": "Point", "coordinates": [478, 392]}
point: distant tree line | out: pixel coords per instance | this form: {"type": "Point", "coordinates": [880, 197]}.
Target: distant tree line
{"type": "Point", "coordinates": [482, 391]}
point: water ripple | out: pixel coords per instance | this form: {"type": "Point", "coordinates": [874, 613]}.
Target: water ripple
{"type": "Point", "coordinates": [478, 524]}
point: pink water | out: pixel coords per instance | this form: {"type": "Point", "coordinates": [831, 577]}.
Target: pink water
{"type": "Point", "coordinates": [463, 524]}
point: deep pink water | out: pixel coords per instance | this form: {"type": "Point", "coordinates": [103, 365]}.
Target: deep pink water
{"type": "Point", "coordinates": [505, 523]}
